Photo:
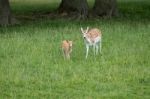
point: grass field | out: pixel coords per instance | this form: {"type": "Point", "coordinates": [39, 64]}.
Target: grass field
{"type": "Point", "coordinates": [32, 65]}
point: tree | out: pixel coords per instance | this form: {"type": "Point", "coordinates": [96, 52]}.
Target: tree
{"type": "Point", "coordinates": [76, 8]}
{"type": "Point", "coordinates": [106, 8]}
{"type": "Point", "coordinates": [5, 13]}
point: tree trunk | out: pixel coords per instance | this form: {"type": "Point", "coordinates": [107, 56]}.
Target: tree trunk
{"type": "Point", "coordinates": [5, 13]}
{"type": "Point", "coordinates": [76, 8]}
{"type": "Point", "coordinates": [105, 8]}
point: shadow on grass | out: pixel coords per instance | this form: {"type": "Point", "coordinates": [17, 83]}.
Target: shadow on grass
{"type": "Point", "coordinates": [136, 10]}
{"type": "Point", "coordinates": [44, 16]}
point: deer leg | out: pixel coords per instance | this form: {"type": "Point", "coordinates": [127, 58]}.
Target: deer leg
{"type": "Point", "coordinates": [94, 46]}
{"type": "Point", "coordinates": [63, 53]}
{"type": "Point", "coordinates": [100, 46]}
{"type": "Point", "coordinates": [87, 51]}
{"type": "Point", "coordinates": [68, 56]}
{"type": "Point", "coordinates": [97, 47]}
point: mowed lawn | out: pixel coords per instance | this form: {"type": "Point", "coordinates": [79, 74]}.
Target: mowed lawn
{"type": "Point", "coordinates": [32, 64]}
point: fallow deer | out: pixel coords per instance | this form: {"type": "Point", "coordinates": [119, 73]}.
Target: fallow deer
{"type": "Point", "coordinates": [67, 48]}
{"type": "Point", "coordinates": [92, 37]}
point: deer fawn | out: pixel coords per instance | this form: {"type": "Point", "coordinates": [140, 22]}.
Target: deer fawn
{"type": "Point", "coordinates": [67, 48]}
{"type": "Point", "coordinates": [92, 37]}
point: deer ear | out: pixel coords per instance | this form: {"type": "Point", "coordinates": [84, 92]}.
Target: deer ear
{"type": "Point", "coordinates": [82, 30]}
{"type": "Point", "coordinates": [70, 42]}
{"type": "Point", "coordinates": [87, 29]}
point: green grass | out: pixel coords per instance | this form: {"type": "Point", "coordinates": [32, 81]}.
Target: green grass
{"type": "Point", "coordinates": [32, 65]}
